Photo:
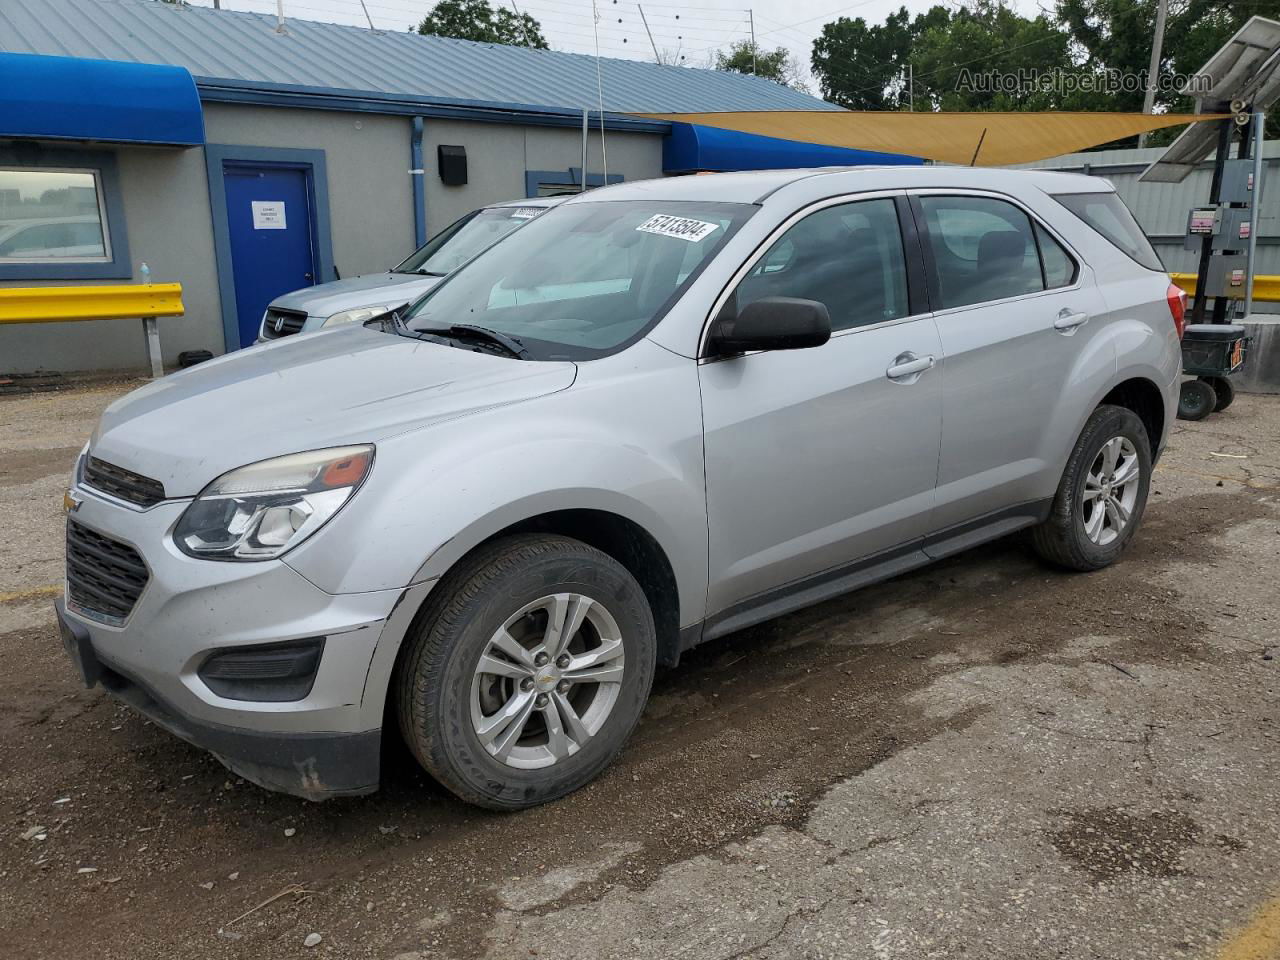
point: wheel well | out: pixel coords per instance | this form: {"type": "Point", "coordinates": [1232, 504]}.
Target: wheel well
{"type": "Point", "coordinates": [633, 547]}
{"type": "Point", "coordinates": [1145, 399]}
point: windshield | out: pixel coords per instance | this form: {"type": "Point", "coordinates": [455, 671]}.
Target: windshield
{"type": "Point", "coordinates": [584, 279]}
{"type": "Point", "coordinates": [460, 241]}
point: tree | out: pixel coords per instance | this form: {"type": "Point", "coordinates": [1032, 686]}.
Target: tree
{"type": "Point", "coordinates": [864, 67]}
{"type": "Point", "coordinates": [982, 56]}
{"type": "Point", "coordinates": [1115, 35]}
{"type": "Point", "coordinates": [989, 57]}
{"type": "Point", "coordinates": [746, 57]}
{"type": "Point", "coordinates": [476, 20]}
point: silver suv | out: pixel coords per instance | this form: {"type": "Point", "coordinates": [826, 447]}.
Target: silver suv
{"type": "Point", "coordinates": [658, 413]}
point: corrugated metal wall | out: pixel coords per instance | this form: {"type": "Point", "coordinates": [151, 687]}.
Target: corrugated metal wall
{"type": "Point", "coordinates": [1162, 208]}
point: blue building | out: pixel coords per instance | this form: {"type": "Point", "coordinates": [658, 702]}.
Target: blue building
{"type": "Point", "coordinates": [133, 131]}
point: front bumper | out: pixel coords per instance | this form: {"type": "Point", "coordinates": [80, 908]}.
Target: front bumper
{"type": "Point", "coordinates": [325, 743]}
{"type": "Point", "coordinates": [315, 766]}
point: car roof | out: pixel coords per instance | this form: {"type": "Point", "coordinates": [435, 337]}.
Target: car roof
{"type": "Point", "coordinates": [755, 186]}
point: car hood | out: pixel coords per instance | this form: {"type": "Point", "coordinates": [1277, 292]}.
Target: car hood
{"type": "Point", "coordinates": [371, 289]}
{"type": "Point", "coordinates": [305, 392]}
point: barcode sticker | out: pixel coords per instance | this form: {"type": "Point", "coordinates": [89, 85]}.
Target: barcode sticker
{"type": "Point", "coordinates": [525, 213]}
{"type": "Point", "coordinates": [682, 228]}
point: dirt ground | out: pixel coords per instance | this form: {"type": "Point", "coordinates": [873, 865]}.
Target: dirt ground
{"type": "Point", "coordinates": [983, 759]}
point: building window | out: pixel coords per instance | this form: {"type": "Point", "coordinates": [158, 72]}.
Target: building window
{"type": "Point", "coordinates": [51, 216]}
{"type": "Point", "coordinates": [60, 216]}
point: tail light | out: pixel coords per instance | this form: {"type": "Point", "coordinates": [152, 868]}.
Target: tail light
{"type": "Point", "coordinates": [1177, 298]}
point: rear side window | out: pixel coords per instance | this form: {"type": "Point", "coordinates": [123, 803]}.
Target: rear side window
{"type": "Point", "coordinates": [1107, 214]}
{"type": "Point", "coordinates": [983, 249]}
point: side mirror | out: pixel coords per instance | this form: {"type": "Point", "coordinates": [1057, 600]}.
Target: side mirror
{"type": "Point", "coordinates": [773, 323]}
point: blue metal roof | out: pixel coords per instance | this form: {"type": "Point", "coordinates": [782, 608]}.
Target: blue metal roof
{"type": "Point", "coordinates": [692, 147]}
{"type": "Point", "coordinates": [68, 99]}
{"type": "Point", "coordinates": [228, 50]}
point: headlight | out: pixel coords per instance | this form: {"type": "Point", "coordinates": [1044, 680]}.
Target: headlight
{"type": "Point", "coordinates": [260, 511]}
{"type": "Point", "coordinates": [358, 316]}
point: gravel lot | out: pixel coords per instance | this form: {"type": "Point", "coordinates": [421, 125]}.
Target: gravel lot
{"type": "Point", "coordinates": [983, 759]}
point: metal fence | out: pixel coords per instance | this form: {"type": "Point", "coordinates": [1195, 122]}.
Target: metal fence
{"type": "Point", "coordinates": [1162, 208]}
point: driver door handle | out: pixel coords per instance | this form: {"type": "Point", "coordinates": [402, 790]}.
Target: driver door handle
{"type": "Point", "coordinates": [908, 365]}
{"type": "Point", "coordinates": [1068, 321]}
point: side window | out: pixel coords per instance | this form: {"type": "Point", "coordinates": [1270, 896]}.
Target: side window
{"type": "Point", "coordinates": [983, 249]}
{"type": "Point", "coordinates": [1059, 268]}
{"type": "Point", "coordinates": [848, 257]}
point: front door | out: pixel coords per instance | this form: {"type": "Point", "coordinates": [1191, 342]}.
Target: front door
{"type": "Point", "coordinates": [272, 240]}
{"type": "Point", "coordinates": [820, 457]}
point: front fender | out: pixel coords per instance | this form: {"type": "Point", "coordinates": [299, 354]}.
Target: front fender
{"type": "Point", "coordinates": [625, 439]}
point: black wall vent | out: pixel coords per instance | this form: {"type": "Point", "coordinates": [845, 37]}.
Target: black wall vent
{"type": "Point", "coordinates": [453, 165]}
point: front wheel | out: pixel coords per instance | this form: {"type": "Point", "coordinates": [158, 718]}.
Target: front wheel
{"type": "Point", "coordinates": [1102, 494]}
{"type": "Point", "coordinates": [527, 672]}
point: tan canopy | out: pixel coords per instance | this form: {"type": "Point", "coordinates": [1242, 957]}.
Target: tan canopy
{"type": "Point", "coordinates": [984, 139]}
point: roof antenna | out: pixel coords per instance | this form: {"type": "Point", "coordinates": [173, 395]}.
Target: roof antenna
{"type": "Point", "coordinates": [366, 15]}
{"type": "Point", "coordinates": [280, 17]}
{"type": "Point", "coordinates": [604, 151]}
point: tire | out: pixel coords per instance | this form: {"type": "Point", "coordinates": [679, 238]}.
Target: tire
{"type": "Point", "coordinates": [1067, 538]}
{"type": "Point", "coordinates": [1223, 389]}
{"type": "Point", "coordinates": [452, 712]}
{"type": "Point", "coordinates": [1196, 400]}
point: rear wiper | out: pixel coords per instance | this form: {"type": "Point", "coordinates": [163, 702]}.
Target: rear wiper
{"type": "Point", "coordinates": [508, 343]}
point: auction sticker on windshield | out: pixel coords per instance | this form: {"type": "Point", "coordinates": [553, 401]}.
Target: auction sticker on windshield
{"type": "Point", "coordinates": [665, 225]}
{"type": "Point", "coordinates": [525, 213]}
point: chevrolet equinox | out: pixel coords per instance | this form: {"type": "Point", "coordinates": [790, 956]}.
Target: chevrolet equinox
{"type": "Point", "coordinates": [656, 414]}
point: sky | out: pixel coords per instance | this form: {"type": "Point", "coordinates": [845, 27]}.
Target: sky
{"type": "Point", "coordinates": [693, 32]}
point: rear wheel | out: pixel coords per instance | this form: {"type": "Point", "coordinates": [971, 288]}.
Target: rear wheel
{"type": "Point", "coordinates": [1223, 390]}
{"type": "Point", "coordinates": [1102, 494]}
{"type": "Point", "coordinates": [1196, 400]}
{"type": "Point", "coordinates": [528, 672]}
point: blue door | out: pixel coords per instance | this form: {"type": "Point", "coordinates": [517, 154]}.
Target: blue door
{"type": "Point", "coordinates": [272, 240]}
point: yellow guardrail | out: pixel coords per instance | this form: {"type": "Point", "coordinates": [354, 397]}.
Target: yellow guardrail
{"type": "Point", "coordinates": [1265, 288]}
{"type": "Point", "coordinates": [55, 304]}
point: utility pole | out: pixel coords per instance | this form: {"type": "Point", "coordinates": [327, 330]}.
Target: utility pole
{"type": "Point", "coordinates": [657, 58]}
{"type": "Point", "coordinates": [911, 86]}
{"type": "Point", "coordinates": [524, 27]}
{"type": "Point", "coordinates": [1153, 74]}
{"type": "Point", "coordinates": [751, 17]}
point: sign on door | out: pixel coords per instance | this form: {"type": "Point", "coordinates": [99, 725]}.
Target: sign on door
{"type": "Point", "coordinates": [268, 214]}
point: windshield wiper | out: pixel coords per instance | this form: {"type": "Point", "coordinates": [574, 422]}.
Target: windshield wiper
{"type": "Point", "coordinates": [470, 331]}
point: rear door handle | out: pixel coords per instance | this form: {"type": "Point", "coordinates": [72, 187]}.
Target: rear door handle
{"type": "Point", "coordinates": [907, 367]}
{"type": "Point", "coordinates": [1068, 321]}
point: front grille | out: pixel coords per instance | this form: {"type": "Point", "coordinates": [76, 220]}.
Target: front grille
{"type": "Point", "coordinates": [104, 577]}
{"type": "Point", "coordinates": [281, 323]}
{"type": "Point", "coordinates": [122, 483]}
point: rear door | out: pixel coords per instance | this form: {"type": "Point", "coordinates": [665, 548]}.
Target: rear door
{"type": "Point", "coordinates": [821, 457]}
{"type": "Point", "coordinates": [1017, 313]}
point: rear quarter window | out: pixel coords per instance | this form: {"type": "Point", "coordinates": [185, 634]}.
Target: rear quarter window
{"type": "Point", "coordinates": [1107, 215]}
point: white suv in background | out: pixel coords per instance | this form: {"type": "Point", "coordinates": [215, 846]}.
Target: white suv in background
{"type": "Point", "coordinates": [358, 298]}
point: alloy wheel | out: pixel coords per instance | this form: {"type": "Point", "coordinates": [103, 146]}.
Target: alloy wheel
{"type": "Point", "coordinates": [1111, 491]}
{"type": "Point", "coordinates": [547, 680]}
